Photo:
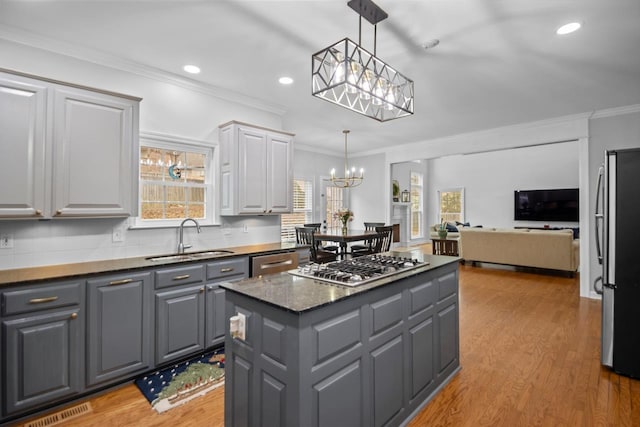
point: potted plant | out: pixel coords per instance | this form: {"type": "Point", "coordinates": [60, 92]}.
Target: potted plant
{"type": "Point", "coordinates": [396, 190]}
{"type": "Point", "coordinates": [442, 229]}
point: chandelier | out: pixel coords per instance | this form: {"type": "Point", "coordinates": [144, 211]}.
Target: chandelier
{"type": "Point", "coordinates": [350, 76]}
{"type": "Point", "coordinates": [350, 178]}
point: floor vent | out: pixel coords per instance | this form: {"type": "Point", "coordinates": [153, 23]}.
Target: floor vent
{"type": "Point", "coordinates": [61, 416]}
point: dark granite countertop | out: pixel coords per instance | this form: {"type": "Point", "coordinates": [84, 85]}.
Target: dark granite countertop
{"type": "Point", "coordinates": [62, 271]}
{"type": "Point", "coordinates": [298, 294]}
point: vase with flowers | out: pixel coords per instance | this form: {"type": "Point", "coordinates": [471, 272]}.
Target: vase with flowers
{"type": "Point", "coordinates": [345, 216]}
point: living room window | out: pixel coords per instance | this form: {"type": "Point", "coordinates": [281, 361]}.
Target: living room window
{"type": "Point", "coordinates": [451, 204]}
{"type": "Point", "coordinates": [416, 205]}
{"type": "Point", "coordinates": [302, 210]}
{"type": "Point", "coordinates": [176, 181]}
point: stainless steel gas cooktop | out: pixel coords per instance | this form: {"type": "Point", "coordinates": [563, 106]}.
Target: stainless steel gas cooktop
{"type": "Point", "coordinates": [358, 271]}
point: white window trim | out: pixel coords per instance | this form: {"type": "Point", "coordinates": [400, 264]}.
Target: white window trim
{"type": "Point", "coordinates": [421, 210]}
{"type": "Point", "coordinates": [166, 141]}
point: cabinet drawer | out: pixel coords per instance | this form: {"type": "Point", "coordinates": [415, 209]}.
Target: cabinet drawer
{"type": "Point", "coordinates": [227, 268]}
{"type": "Point", "coordinates": [182, 275]}
{"type": "Point", "coordinates": [262, 265]}
{"type": "Point", "coordinates": [40, 298]}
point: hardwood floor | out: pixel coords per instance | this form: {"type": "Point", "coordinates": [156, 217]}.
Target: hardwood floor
{"type": "Point", "coordinates": [530, 349]}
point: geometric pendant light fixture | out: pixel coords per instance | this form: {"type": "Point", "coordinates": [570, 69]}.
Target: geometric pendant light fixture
{"type": "Point", "coordinates": [350, 76]}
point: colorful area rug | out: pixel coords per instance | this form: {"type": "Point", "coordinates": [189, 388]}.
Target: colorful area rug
{"type": "Point", "coordinates": [184, 381]}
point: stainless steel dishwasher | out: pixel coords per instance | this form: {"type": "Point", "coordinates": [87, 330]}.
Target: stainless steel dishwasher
{"type": "Point", "coordinates": [262, 265]}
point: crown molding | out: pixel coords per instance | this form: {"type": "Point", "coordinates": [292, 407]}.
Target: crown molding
{"type": "Point", "coordinates": [317, 150]}
{"type": "Point", "coordinates": [617, 111]}
{"type": "Point", "coordinates": [484, 134]}
{"type": "Point", "coordinates": [165, 137]}
{"type": "Point", "coordinates": [94, 56]}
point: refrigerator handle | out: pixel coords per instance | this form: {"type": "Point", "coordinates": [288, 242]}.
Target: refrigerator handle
{"type": "Point", "coordinates": [595, 285]}
{"type": "Point", "coordinates": [599, 217]}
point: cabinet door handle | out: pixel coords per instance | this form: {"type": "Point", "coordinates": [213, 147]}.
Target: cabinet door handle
{"type": "Point", "coordinates": [227, 270]}
{"type": "Point", "coordinates": [74, 315]}
{"type": "Point", "coordinates": [42, 300]}
{"type": "Point", "coordinates": [59, 212]}
{"type": "Point", "coordinates": [201, 289]}
{"type": "Point", "coordinates": [121, 282]}
{"type": "Point", "coordinates": [270, 210]}
{"type": "Point", "coordinates": [275, 264]}
{"type": "Point", "coordinates": [38, 212]}
{"type": "Point", "coordinates": [184, 276]}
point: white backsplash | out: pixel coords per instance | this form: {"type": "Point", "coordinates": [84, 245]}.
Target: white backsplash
{"type": "Point", "coordinates": [38, 243]}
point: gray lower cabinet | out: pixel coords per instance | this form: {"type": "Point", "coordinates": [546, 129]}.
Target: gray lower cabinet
{"type": "Point", "coordinates": [189, 306]}
{"type": "Point", "coordinates": [179, 322]}
{"type": "Point", "coordinates": [371, 359]}
{"type": "Point", "coordinates": [179, 304]}
{"type": "Point", "coordinates": [229, 270]}
{"type": "Point", "coordinates": [119, 326]}
{"type": "Point", "coordinates": [60, 339]}
{"type": "Point", "coordinates": [215, 320]}
{"type": "Point", "coordinates": [42, 344]}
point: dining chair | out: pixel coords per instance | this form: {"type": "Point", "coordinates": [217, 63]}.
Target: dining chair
{"type": "Point", "coordinates": [368, 226]}
{"type": "Point", "coordinates": [386, 237]}
{"type": "Point", "coordinates": [379, 243]}
{"type": "Point", "coordinates": [319, 244]}
{"type": "Point", "coordinates": [305, 236]}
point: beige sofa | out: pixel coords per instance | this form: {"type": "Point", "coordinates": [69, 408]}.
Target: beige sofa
{"type": "Point", "coordinates": [551, 249]}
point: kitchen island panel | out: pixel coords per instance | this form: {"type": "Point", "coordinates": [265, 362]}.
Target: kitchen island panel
{"type": "Point", "coordinates": [367, 358]}
{"type": "Point", "coordinates": [388, 381]}
{"type": "Point", "coordinates": [337, 400]}
{"type": "Point", "coordinates": [421, 357]}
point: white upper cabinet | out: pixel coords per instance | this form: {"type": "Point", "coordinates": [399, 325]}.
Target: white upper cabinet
{"type": "Point", "coordinates": [23, 103]}
{"type": "Point", "coordinates": [256, 170]}
{"type": "Point", "coordinates": [93, 155]}
{"type": "Point", "coordinates": [73, 150]}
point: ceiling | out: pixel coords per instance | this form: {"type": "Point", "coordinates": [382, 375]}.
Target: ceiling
{"type": "Point", "coordinates": [499, 62]}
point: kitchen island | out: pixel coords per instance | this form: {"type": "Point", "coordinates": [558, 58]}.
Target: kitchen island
{"type": "Point", "coordinates": [321, 354]}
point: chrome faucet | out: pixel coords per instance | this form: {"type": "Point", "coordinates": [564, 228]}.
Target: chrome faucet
{"type": "Point", "coordinates": [181, 245]}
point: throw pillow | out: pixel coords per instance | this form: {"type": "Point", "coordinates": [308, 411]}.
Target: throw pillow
{"type": "Point", "coordinates": [452, 228]}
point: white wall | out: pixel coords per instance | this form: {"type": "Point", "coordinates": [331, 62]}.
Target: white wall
{"type": "Point", "coordinates": [369, 201]}
{"type": "Point", "coordinates": [177, 109]}
{"type": "Point", "coordinates": [489, 180]}
{"type": "Point", "coordinates": [166, 107]}
{"type": "Point", "coordinates": [401, 172]}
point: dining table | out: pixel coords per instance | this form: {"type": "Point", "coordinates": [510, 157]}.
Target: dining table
{"type": "Point", "coordinates": [342, 237]}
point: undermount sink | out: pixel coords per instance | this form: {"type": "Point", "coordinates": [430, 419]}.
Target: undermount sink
{"type": "Point", "coordinates": [209, 253]}
{"type": "Point", "coordinates": [189, 256]}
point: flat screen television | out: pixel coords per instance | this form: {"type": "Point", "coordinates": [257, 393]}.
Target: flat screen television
{"type": "Point", "coordinates": [546, 205]}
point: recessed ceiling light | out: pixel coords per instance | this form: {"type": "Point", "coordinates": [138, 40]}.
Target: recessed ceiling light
{"type": "Point", "coordinates": [285, 80]}
{"type": "Point", "coordinates": [191, 69]}
{"type": "Point", "coordinates": [568, 28]}
{"type": "Point", "coordinates": [430, 44]}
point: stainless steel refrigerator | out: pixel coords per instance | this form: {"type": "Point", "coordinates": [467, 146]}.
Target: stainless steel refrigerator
{"type": "Point", "coordinates": [618, 247]}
